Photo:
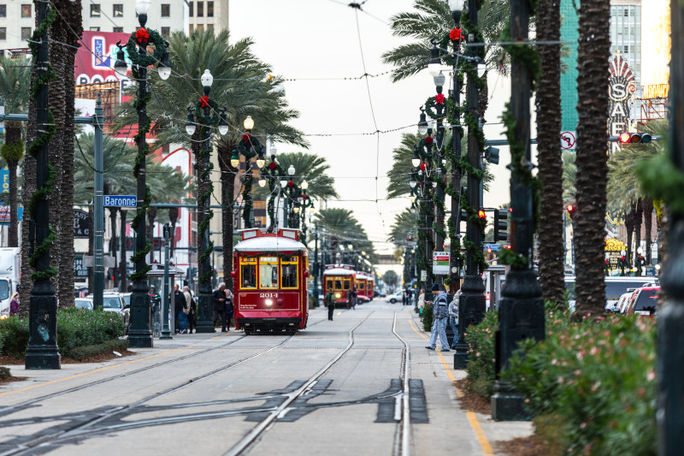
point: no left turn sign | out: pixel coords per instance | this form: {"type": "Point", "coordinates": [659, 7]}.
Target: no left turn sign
{"type": "Point", "coordinates": [568, 140]}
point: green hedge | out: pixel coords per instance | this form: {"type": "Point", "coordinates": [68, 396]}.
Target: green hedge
{"type": "Point", "coordinates": [75, 328]}
{"type": "Point", "coordinates": [480, 367]}
{"type": "Point", "coordinates": [427, 317]}
{"type": "Point", "coordinates": [592, 384]}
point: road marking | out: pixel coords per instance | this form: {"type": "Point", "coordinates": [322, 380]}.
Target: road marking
{"type": "Point", "coordinates": [94, 371]}
{"type": "Point", "coordinates": [472, 419]}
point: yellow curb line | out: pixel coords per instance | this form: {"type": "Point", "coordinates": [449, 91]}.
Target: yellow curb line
{"type": "Point", "coordinates": [101, 369]}
{"type": "Point", "coordinates": [472, 419]}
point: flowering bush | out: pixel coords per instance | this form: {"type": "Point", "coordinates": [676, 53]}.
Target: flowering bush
{"type": "Point", "coordinates": [595, 379]}
{"type": "Point", "coordinates": [480, 340]}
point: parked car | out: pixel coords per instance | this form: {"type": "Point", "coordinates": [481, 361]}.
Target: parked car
{"type": "Point", "coordinates": [621, 303]}
{"type": "Point", "coordinates": [643, 301]}
{"type": "Point", "coordinates": [615, 287]}
{"type": "Point", "coordinates": [114, 302]}
{"type": "Point", "coordinates": [83, 303]}
{"type": "Point", "coordinates": [395, 297]}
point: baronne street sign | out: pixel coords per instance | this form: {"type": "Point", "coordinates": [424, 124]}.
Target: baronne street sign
{"type": "Point", "coordinates": [120, 200]}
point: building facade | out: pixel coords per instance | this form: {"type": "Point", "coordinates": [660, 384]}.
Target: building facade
{"type": "Point", "coordinates": [208, 15]}
{"type": "Point", "coordinates": [625, 33]}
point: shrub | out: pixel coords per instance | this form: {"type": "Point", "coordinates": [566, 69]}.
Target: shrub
{"type": "Point", "coordinates": [480, 367]}
{"type": "Point", "coordinates": [596, 380]}
{"type": "Point", "coordinates": [75, 328]}
{"type": "Point", "coordinates": [427, 317]}
{"type": "Point", "coordinates": [5, 373]}
{"type": "Point", "coordinates": [88, 351]}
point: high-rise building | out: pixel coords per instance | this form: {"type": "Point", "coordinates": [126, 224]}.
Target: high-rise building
{"type": "Point", "coordinates": [17, 19]}
{"type": "Point", "coordinates": [208, 15]}
{"type": "Point", "coordinates": [625, 33]}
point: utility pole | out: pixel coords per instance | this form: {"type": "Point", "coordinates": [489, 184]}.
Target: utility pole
{"type": "Point", "coordinates": [521, 311]}
{"type": "Point", "coordinates": [317, 264]}
{"type": "Point", "coordinates": [42, 351]}
{"type": "Point", "coordinates": [166, 332]}
{"type": "Point", "coordinates": [472, 302]}
{"type": "Point", "coordinates": [670, 350]}
{"type": "Point", "coordinates": [98, 211]}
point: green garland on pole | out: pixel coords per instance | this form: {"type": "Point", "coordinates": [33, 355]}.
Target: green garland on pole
{"type": "Point", "coordinates": [43, 138]}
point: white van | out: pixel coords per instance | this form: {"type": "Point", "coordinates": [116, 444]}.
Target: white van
{"type": "Point", "coordinates": [10, 269]}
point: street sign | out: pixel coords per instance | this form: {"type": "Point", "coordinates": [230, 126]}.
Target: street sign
{"type": "Point", "coordinates": [423, 276]}
{"type": "Point", "coordinates": [492, 246]}
{"type": "Point", "coordinates": [82, 224]}
{"type": "Point", "coordinates": [440, 263]}
{"type": "Point", "coordinates": [120, 200]}
{"type": "Point", "coordinates": [4, 179]}
{"type": "Point", "coordinates": [5, 214]}
{"type": "Point", "coordinates": [568, 140]}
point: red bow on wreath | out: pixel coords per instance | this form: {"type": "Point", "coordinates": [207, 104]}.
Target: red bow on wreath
{"type": "Point", "coordinates": [290, 184]}
{"type": "Point", "coordinates": [271, 165]}
{"type": "Point", "coordinates": [439, 99]}
{"type": "Point", "coordinates": [428, 140]}
{"type": "Point", "coordinates": [142, 35]}
{"type": "Point", "coordinates": [456, 34]}
{"type": "Point", "coordinates": [204, 101]}
{"type": "Point", "coordinates": [246, 137]}
{"type": "Point", "coordinates": [423, 166]}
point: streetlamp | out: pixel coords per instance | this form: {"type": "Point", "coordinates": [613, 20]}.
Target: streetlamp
{"type": "Point", "coordinates": [272, 174]}
{"type": "Point", "coordinates": [207, 115]}
{"type": "Point", "coordinates": [139, 334]}
{"type": "Point", "coordinates": [249, 147]}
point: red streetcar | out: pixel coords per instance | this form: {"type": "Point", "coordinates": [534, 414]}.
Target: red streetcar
{"type": "Point", "coordinates": [364, 287]}
{"type": "Point", "coordinates": [339, 279]}
{"type": "Point", "coordinates": [269, 276]}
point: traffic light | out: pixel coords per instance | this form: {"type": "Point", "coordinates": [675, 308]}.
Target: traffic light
{"type": "Point", "coordinates": [571, 209]}
{"type": "Point", "coordinates": [492, 155]}
{"type": "Point", "coordinates": [500, 225]}
{"type": "Point", "coordinates": [635, 138]}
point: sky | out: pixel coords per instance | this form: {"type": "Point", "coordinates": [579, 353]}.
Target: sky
{"type": "Point", "coordinates": [316, 42]}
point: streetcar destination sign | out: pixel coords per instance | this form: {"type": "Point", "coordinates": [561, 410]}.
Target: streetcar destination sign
{"type": "Point", "coordinates": [120, 200]}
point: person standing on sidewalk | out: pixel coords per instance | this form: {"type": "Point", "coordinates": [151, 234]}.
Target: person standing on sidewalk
{"type": "Point", "coordinates": [14, 304]}
{"type": "Point", "coordinates": [330, 304]}
{"type": "Point", "coordinates": [181, 310]}
{"type": "Point", "coordinates": [440, 309]}
{"type": "Point", "coordinates": [220, 306]}
{"type": "Point", "coordinates": [453, 316]}
{"type": "Point", "coordinates": [192, 309]}
{"type": "Point", "coordinates": [229, 307]}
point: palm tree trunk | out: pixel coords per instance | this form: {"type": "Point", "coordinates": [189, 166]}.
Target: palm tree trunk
{"type": "Point", "coordinates": [123, 286]}
{"type": "Point", "coordinates": [112, 242]}
{"type": "Point", "coordinates": [638, 217]}
{"type": "Point", "coordinates": [227, 196]}
{"type": "Point", "coordinates": [549, 153]}
{"type": "Point", "coordinates": [592, 145]}
{"type": "Point", "coordinates": [173, 218]}
{"type": "Point", "coordinates": [149, 229]}
{"type": "Point", "coordinates": [648, 222]}
{"type": "Point", "coordinates": [629, 226]}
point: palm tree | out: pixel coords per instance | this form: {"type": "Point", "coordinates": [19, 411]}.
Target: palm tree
{"type": "Point", "coordinates": [592, 145]}
{"type": "Point", "coordinates": [313, 169]}
{"type": "Point", "coordinates": [433, 21]}
{"type": "Point", "coordinates": [549, 153]}
{"type": "Point", "coordinates": [342, 224]}
{"type": "Point", "coordinates": [404, 227]}
{"type": "Point", "coordinates": [398, 175]}
{"type": "Point", "coordinates": [241, 84]}
{"type": "Point", "coordinates": [15, 75]}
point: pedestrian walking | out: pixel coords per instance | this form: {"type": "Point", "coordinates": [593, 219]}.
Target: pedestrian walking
{"type": "Point", "coordinates": [180, 309]}
{"type": "Point", "coordinates": [453, 316]}
{"type": "Point", "coordinates": [440, 309]}
{"type": "Point", "coordinates": [354, 297]}
{"type": "Point", "coordinates": [14, 304]}
{"type": "Point", "coordinates": [421, 301]}
{"type": "Point", "coordinates": [403, 297]}
{"type": "Point", "coordinates": [229, 307]}
{"type": "Point", "coordinates": [192, 309]}
{"type": "Point", "coordinates": [330, 304]}
{"type": "Point", "coordinates": [220, 306]}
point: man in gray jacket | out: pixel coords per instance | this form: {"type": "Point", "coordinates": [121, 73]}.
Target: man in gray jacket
{"type": "Point", "coordinates": [440, 314]}
{"type": "Point", "coordinates": [453, 316]}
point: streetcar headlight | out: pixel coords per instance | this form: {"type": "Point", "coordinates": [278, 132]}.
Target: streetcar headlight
{"type": "Point", "coordinates": [338, 295]}
{"type": "Point", "coordinates": [268, 302]}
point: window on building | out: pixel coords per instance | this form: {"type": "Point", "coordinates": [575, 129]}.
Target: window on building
{"type": "Point", "coordinates": [625, 49]}
{"type": "Point", "coordinates": [94, 29]}
{"type": "Point", "coordinates": [191, 8]}
{"type": "Point", "coordinates": [165, 10]}
{"type": "Point", "coordinates": [210, 26]}
{"type": "Point", "coordinates": [117, 10]}
{"type": "Point", "coordinates": [25, 33]}
{"type": "Point", "coordinates": [166, 31]}
{"type": "Point", "coordinates": [95, 10]}
{"type": "Point", "coordinates": [26, 10]}
{"type": "Point", "coordinates": [117, 30]}
{"type": "Point", "coordinates": [210, 9]}
{"type": "Point", "coordinates": [3, 10]}
{"type": "Point", "coordinates": [3, 33]}
{"type": "Point", "coordinates": [199, 27]}
{"type": "Point", "coordinates": [200, 9]}
{"type": "Point", "coordinates": [192, 28]}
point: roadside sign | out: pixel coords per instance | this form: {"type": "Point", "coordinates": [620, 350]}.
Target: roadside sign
{"type": "Point", "coordinates": [5, 215]}
{"type": "Point", "coordinates": [4, 179]}
{"type": "Point", "coordinates": [423, 276]}
{"type": "Point", "coordinates": [82, 224]}
{"type": "Point", "coordinates": [440, 263]}
{"type": "Point", "coordinates": [120, 200]}
{"type": "Point", "coordinates": [568, 140]}
{"type": "Point", "coordinates": [492, 246]}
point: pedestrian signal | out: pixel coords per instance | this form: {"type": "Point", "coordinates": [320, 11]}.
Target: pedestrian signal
{"type": "Point", "coordinates": [500, 225]}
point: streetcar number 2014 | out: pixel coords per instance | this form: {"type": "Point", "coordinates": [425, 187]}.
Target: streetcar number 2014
{"type": "Point", "coordinates": [268, 295]}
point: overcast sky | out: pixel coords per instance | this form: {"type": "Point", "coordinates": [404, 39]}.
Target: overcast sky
{"type": "Point", "coordinates": [310, 39]}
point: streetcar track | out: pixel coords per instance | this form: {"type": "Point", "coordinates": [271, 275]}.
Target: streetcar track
{"type": "Point", "coordinates": [247, 442]}
{"type": "Point", "coordinates": [401, 443]}
{"type": "Point", "coordinates": [81, 429]}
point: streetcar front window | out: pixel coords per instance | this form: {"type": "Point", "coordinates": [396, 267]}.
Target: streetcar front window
{"type": "Point", "coordinates": [268, 272]}
{"type": "Point", "coordinates": [248, 273]}
{"type": "Point", "coordinates": [338, 284]}
{"type": "Point", "coordinates": [329, 285]}
{"type": "Point", "coordinates": [362, 286]}
{"type": "Point", "coordinates": [288, 271]}
{"type": "Point", "coordinates": [347, 284]}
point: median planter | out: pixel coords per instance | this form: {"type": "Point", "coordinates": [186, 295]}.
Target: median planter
{"type": "Point", "coordinates": [76, 329]}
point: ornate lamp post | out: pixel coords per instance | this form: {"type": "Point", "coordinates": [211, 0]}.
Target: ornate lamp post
{"type": "Point", "coordinates": [271, 175]}
{"type": "Point", "coordinates": [137, 47]}
{"type": "Point", "coordinates": [207, 115]}
{"type": "Point", "coordinates": [305, 202]}
{"type": "Point", "coordinates": [249, 147]}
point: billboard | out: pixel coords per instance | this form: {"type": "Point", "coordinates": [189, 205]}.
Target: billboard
{"type": "Point", "coordinates": [655, 43]}
{"type": "Point", "coordinates": [95, 58]}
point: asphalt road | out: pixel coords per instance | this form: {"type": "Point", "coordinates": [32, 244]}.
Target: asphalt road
{"type": "Point", "coordinates": [343, 387]}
